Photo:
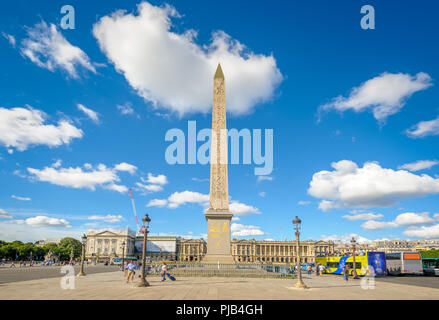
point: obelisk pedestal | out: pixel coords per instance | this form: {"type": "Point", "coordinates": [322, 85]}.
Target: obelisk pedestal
{"type": "Point", "coordinates": [218, 216]}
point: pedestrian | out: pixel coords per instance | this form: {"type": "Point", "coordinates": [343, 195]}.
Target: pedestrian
{"type": "Point", "coordinates": [321, 268]}
{"type": "Point", "coordinates": [309, 268]}
{"type": "Point", "coordinates": [345, 272]}
{"type": "Point", "coordinates": [131, 271]}
{"type": "Point", "coordinates": [317, 269]}
{"type": "Point", "coordinates": [164, 270]}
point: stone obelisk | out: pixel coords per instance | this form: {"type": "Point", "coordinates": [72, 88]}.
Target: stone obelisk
{"type": "Point", "coordinates": [218, 216]}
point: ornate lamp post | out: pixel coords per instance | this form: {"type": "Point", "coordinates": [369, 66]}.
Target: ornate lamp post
{"type": "Point", "coordinates": [354, 273]}
{"type": "Point", "coordinates": [142, 282]}
{"type": "Point", "coordinates": [84, 241]}
{"type": "Point", "coordinates": [300, 284]}
{"type": "Point", "coordinates": [123, 256]}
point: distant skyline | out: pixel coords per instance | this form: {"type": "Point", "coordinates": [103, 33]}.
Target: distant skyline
{"type": "Point", "coordinates": [354, 113]}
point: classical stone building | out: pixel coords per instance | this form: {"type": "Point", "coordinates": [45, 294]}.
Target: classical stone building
{"type": "Point", "coordinates": [107, 244]}
{"type": "Point", "coordinates": [405, 245]}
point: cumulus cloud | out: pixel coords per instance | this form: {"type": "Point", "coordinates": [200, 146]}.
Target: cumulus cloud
{"type": "Point", "coordinates": [21, 128]}
{"type": "Point", "coordinates": [431, 232]}
{"type": "Point", "coordinates": [173, 72]}
{"type": "Point", "coordinates": [93, 115]}
{"type": "Point", "coordinates": [240, 230]}
{"type": "Point", "coordinates": [108, 218]}
{"type": "Point", "coordinates": [125, 167]}
{"type": "Point", "coordinates": [4, 214]}
{"type": "Point", "coordinates": [159, 179]}
{"type": "Point", "coordinates": [21, 198]}
{"type": "Point", "coordinates": [402, 220]}
{"type": "Point", "coordinates": [47, 48]}
{"type": "Point", "coordinates": [424, 129]}
{"type": "Point", "coordinates": [419, 165]}
{"type": "Point", "coordinates": [346, 238]}
{"type": "Point", "coordinates": [157, 203]}
{"type": "Point", "coordinates": [149, 187]}
{"type": "Point", "coordinates": [79, 178]}
{"type": "Point", "coordinates": [370, 186]}
{"type": "Point", "coordinates": [178, 199]}
{"type": "Point", "coordinates": [43, 221]}
{"type": "Point", "coordinates": [241, 209]}
{"type": "Point", "coordinates": [384, 95]}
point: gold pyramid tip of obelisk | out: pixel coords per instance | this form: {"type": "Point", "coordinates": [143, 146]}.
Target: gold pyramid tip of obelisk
{"type": "Point", "coordinates": [219, 72]}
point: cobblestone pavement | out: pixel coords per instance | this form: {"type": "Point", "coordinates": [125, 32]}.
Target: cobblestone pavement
{"type": "Point", "coordinates": [111, 285]}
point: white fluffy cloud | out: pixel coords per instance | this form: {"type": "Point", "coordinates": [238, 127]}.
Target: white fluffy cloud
{"type": "Point", "coordinates": [369, 186]}
{"type": "Point", "coordinates": [157, 203]}
{"type": "Point", "coordinates": [241, 209]}
{"type": "Point", "coordinates": [21, 128]}
{"type": "Point", "coordinates": [240, 230]}
{"type": "Point", "coordinates": [172, 71]}
{"type": "Point", "coordinates": [43, 221]}
{"type": "Point", "coordinates": [93, 115]}
{"type": "Point", "coordinates": [402, 220]}
{"type": "Point", "coordinates": [47, 48]}
{"type": "Point", "coordinates": [346, 238]}
{"type": "Point", "coordinates": [159, 179]}
{"type": "Point", "coordinates": [431, 232]}
{"type": "Point", "coordinates": [424, 128]}
{"type": "Point", "coordinates": [149, 187]}
{"type": "Point", "coordinates": [125, 167]}
{"type": "Point", "coordinates": [4, 214]}
{"type": "Point", "coordinates": [80, 178]}
{"type": "Point", "coordinates": [385, 94]}
{"type": "Point", "coordinates": [178, 199]}
{"type": "Point", "coordinates": [108, 218]}
{"type": "Point", "coordinates": [20, 198]}
{"type": "Point", "coordinates": [419, 165]}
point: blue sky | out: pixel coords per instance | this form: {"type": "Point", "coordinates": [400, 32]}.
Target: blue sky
{"type": "Point", "coordinates": [84, 113]}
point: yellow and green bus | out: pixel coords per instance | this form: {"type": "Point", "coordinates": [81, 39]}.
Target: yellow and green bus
{"type": "Point", "coordinates": [371, 262]}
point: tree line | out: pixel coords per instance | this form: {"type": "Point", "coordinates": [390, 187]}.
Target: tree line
{"type": "Point", "coordinates": [19, 251]}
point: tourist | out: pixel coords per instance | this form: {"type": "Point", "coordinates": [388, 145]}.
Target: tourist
{"type": "Point", "coordinates": [309, 268]}
{"type": "Point", "coordinates": [164, 271]}
{"type": "Point", "coordinates": [321, 268]}
{"type": "Point", "coordinates": [131, 271]}
{"type": "Point", "coordinates": [345, 272]}
{"type": "Point", "coordinates": [317, 269]}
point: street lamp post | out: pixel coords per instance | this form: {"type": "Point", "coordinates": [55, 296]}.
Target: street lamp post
{"type": "Point", "coordinates": [123, 256]}
{"type": "Point", "coordinates": [142, 282]}
{"type": "Point", "coordinates": [299, 284]}
{"type": "Point", "coordinates": [354, 272]}
{"type": "Point", "coordinates": [71, 256]}
{"type": "Point", "coordinates": [84, 241]}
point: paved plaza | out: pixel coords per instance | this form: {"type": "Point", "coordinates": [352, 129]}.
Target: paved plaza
{"type": "Point", "coordinates": [111, 285]}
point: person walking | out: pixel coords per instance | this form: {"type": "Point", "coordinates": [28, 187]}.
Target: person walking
{"type": "Point", "coordinates": [321, 268]}
{"type": "Point", "coordinates": [164, 271]}
{"type": "Point", "coordinates": [345, 272]}
{"type": "Point", "coordinates": [131, 271]}
{"type": "Point", "coordinates": [309, 268]}
{"type": "Point", "coordinates": [317, 269]}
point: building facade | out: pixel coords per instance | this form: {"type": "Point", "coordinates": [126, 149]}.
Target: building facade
{"type": "Point", "coordinates": [405, 245]}
{"type": "Point", "coordinates": [107, 245]}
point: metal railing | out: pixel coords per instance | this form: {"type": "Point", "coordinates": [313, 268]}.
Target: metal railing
{"type": "Point", "coordinates": [225, 270]}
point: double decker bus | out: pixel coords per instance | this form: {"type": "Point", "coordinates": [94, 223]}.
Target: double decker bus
{"type": "Point", "coordinates": [370, 263]}
{"type": "Point", "coordinates": [400, 263]}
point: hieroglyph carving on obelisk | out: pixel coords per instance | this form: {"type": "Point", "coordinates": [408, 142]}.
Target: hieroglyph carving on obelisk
{"type": "Point", "coordinates": [219, 194]}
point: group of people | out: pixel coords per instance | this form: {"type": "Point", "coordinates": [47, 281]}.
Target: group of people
{"type": "Point", "coordinates": [131, 267]}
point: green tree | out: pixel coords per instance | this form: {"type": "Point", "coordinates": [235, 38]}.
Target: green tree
{"type": "Point", "coordinates": [66, 245]}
